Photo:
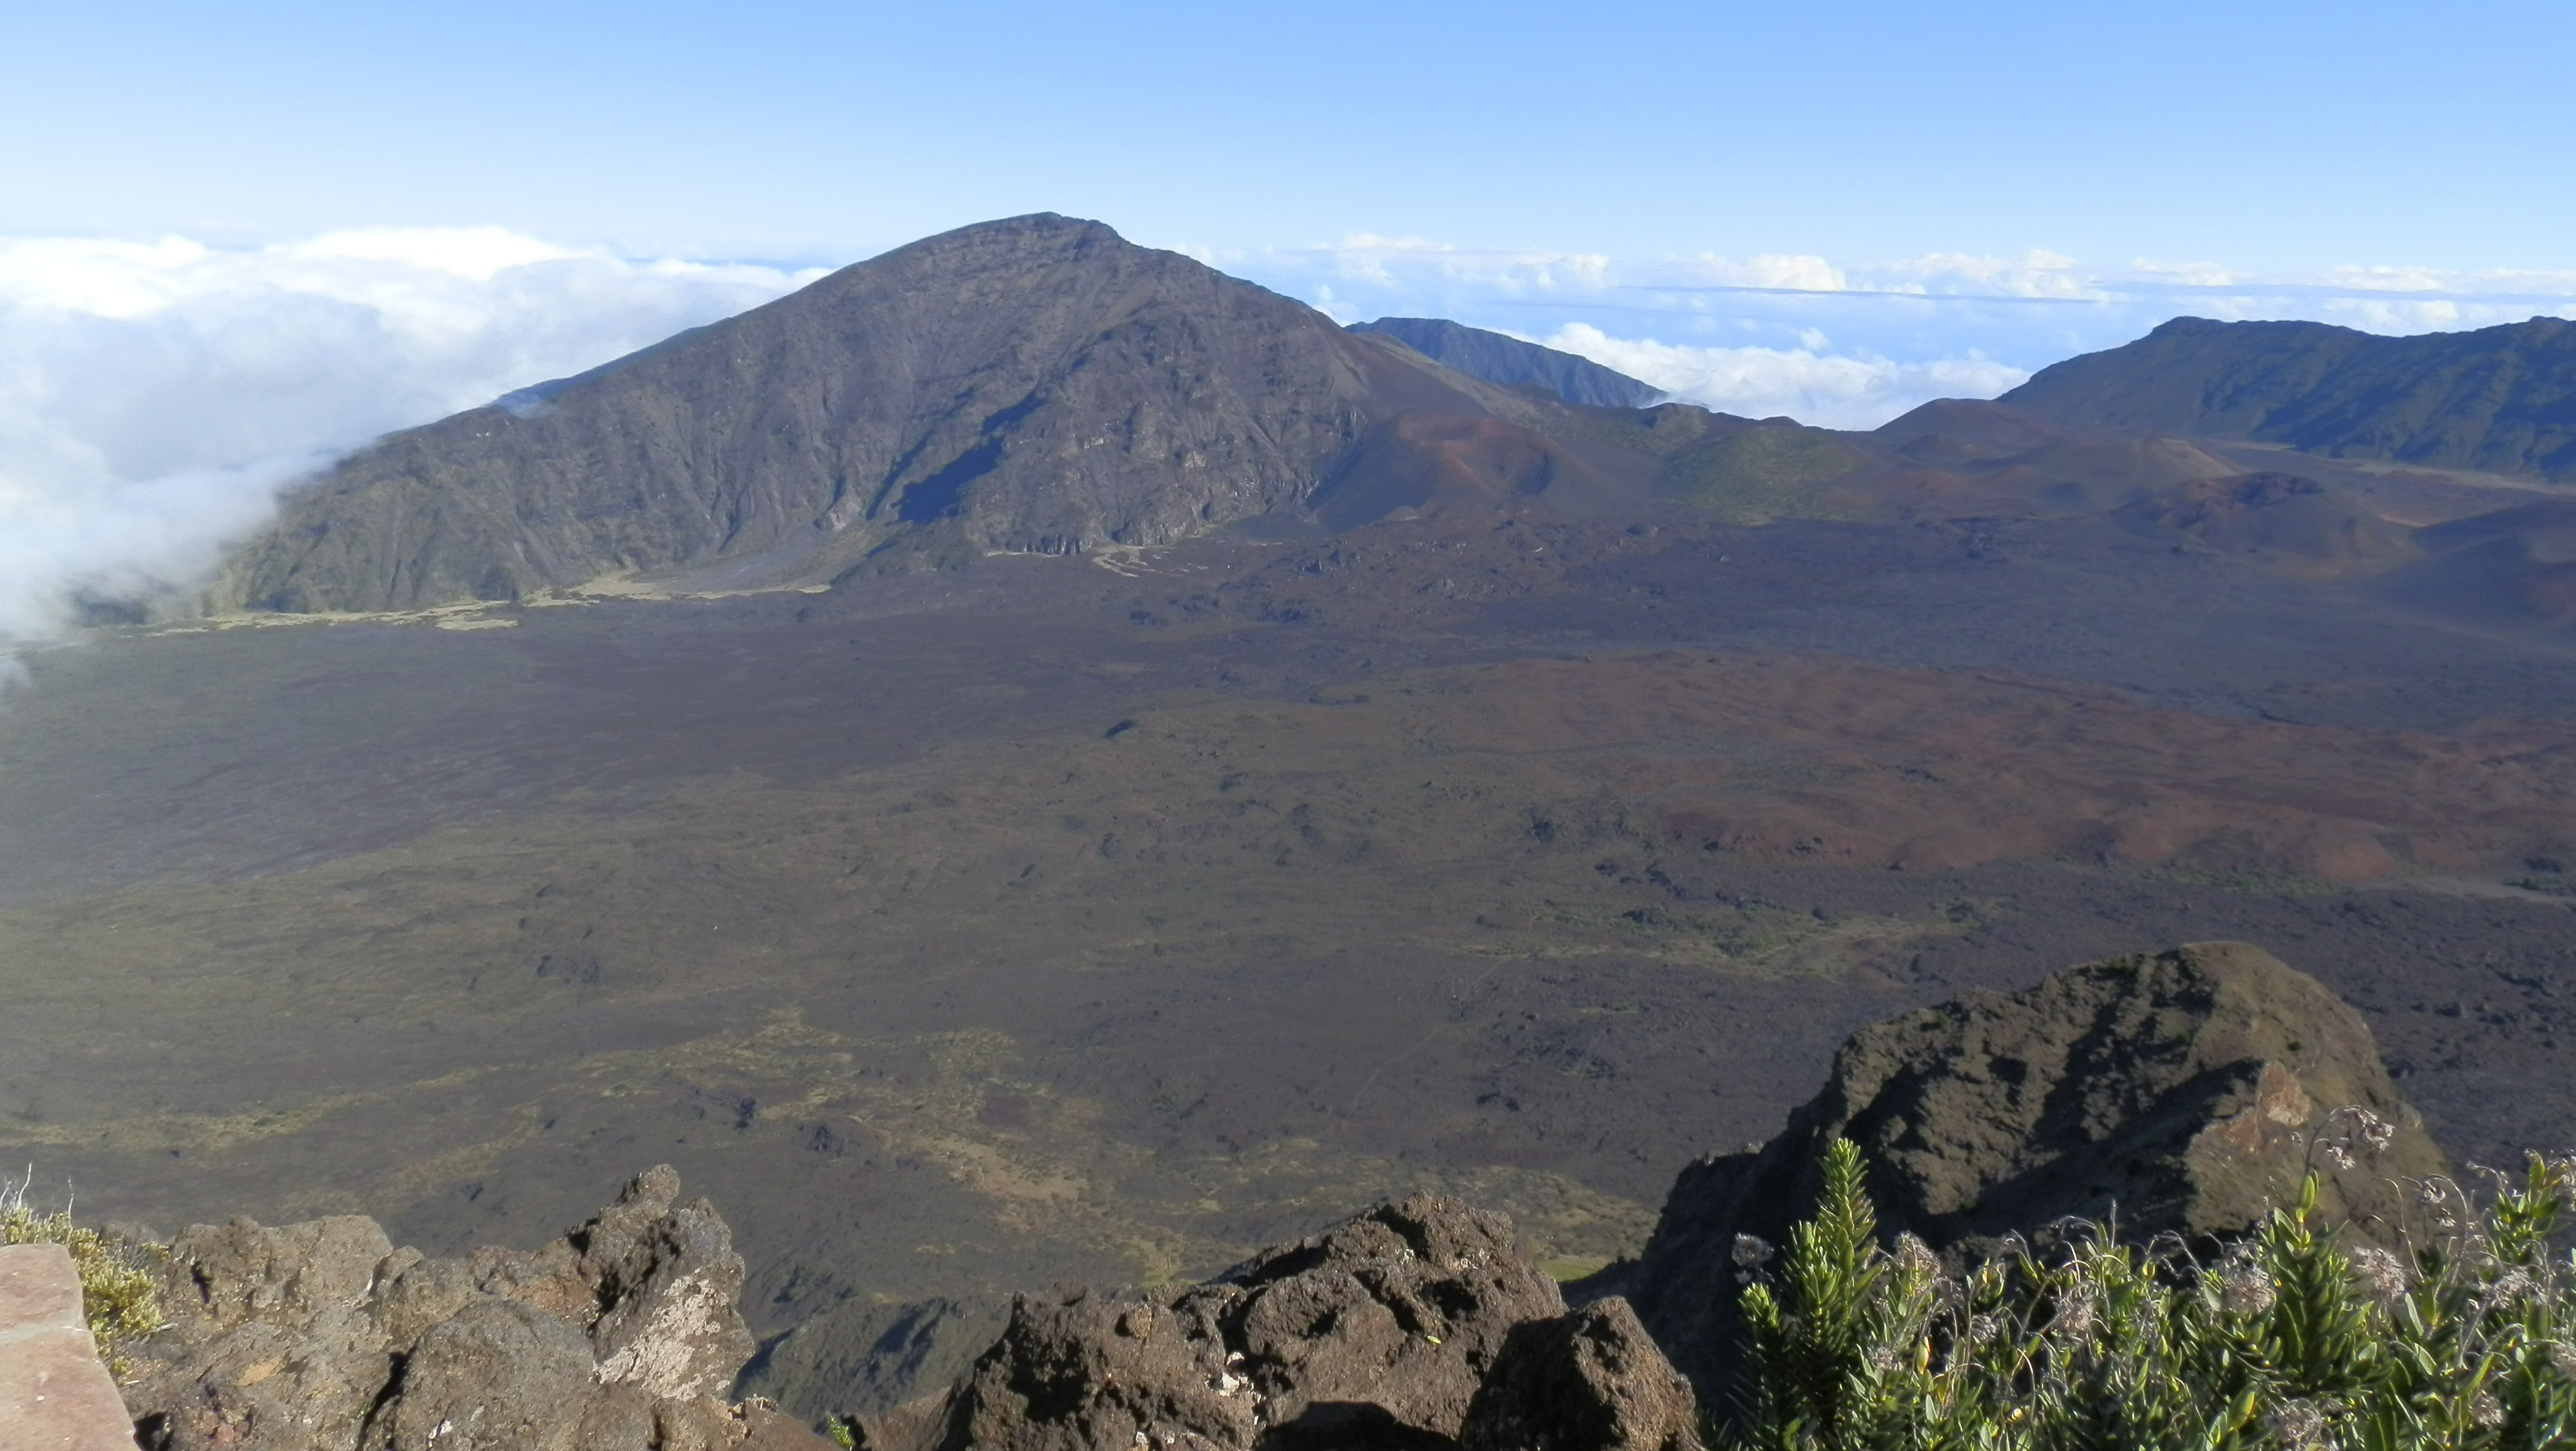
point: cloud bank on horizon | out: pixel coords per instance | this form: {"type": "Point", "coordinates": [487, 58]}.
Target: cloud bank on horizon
{"type": "Point", "coordinates": [1849, 346]}
{"type": "Point", "coordinates": [156, 395]}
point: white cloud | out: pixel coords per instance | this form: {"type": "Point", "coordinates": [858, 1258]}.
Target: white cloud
{"type": "Point", "coordinates": [1419, 267]}
{"type": "Point", "coordinates": [1786, 272]}
{"type": "Point", "coordinates": [125, 540]}
{"type": "Point", "coordinates": [154, 395]}
{"type": "Point", "coordinates": [2394, 279]}
{"type": "Point", "coordinates": [1834, 391]}
{"type": "Point", "coordinates": [472, 252]}
{"type": "Point", "coordinates": [2183, 274]}
{"type": "Point", "coordinates": [2038, 273]}
{"type": "Point", "coordinates": [2401, 314]}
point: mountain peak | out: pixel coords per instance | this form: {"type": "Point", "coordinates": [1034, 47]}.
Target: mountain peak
{"type": "Point", "coordinates": [1031, 385]}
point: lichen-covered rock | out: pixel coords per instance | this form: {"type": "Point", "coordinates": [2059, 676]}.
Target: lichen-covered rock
{"type": "Point", "coordinates": [2182, 1091]}
{"type": "Point", "coordinates": [1387, 1330]}
{"type": "Point", "coordinates": [667, 1282]}
{"type": "Point", "coordinates": [323, 1337]}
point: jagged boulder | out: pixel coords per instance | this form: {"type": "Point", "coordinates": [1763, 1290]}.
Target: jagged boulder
{"type": "Point", "coordinates": [2180, 1092]}
{"type": "Point", "coordinates": [1591, 1378]}
{"type": "Point", "coordinates": [1417, 1325]}
{"type": "Point", "coordinates": [322, 1336]}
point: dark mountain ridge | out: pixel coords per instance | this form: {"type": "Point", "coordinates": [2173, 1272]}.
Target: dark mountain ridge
{"type": "Point", "coordinates": [2500, 399]}
{"type": "Point", "coordinates": [1036, 385]}
{"type": "Point", "coordinates": [1041, 386]}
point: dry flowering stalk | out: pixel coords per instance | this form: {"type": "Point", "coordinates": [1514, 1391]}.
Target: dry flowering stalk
{"type": "Point", "coordinates": [1915, 1258]}
{"type": "Point", "coordinates": [2485, 1410]}
{"type": "Point", "coordinates": [2380, 1274]}
{"type": "Point", "coordinates": [2300, 1425]}
{"type": "Point", "coordinates": [2245, 1290]}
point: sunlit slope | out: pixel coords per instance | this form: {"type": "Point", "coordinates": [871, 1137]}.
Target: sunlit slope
{"type": "Point", "coordinates": [2501, 399]}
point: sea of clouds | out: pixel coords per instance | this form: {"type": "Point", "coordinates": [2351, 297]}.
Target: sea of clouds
{"type": "Point", "coordinates": [156, 395]}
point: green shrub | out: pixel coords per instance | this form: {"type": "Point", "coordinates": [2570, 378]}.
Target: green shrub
{"type": "Point", "coordinates": [119, 1294]}
{"type": "Point", "coordinates": [2288, 1343]}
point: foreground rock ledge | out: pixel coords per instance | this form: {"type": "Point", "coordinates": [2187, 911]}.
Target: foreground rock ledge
{"type": "Point", "coordinates": [1416, 1325]}
{"type": "Point", "coordinates": [322, 1336]}
{"type": "Point", "coordinates": [54, 1393]}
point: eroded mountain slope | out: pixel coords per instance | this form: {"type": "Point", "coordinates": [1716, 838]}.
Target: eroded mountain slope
{"type": "Point", "coordinates": [1037, 385]}
{"type": "Point", "coordinates": [2499, 398]}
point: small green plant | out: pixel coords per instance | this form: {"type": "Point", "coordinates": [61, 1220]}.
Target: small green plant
{"type": "Point", "coordinates": [2466, 1342]}
{"type": "Point", "coordinates": [119, 1295]}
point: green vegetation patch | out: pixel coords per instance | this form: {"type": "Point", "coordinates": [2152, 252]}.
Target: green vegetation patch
{"type": "Point", "coordinates": [2464, 1337]}
{"type": "Point", "coordinates": [1756, 475]}
{"type": "Point", "coordinates": [119, 1293]}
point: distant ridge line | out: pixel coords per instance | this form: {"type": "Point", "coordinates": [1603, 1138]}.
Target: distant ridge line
{"type": "Point", "coordinates": [2498, 399]}
{"type": "Point", "coordinates": [1494, 357]}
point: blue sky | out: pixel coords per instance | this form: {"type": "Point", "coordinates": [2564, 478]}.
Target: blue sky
{"type": "Point", "coordinates": [2268, 134]}
{"type": "Point", "coordinates": [235, 239]}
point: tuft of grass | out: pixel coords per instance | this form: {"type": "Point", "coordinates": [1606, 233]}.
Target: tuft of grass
{"type": "Point", "coordinates": [2466, 1341]}
{"type": "Point", "coordinates": [120, 1296]}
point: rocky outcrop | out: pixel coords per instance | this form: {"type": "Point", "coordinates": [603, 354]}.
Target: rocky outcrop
{"type": "Point", "coordinates": [321, 1336]}
{"type": "Point", "coordinates": [2177, 1092]}
{"type": "Point", "coordinates": [1417, 1324]}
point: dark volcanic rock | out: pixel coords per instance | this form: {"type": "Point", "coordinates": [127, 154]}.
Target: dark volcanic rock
{"type": "Point", "coordinates": [502, 1373]}
{"type": "Point", "coordinates": [2499, 398]}
{"type": "Point", "coordinates": [1497, 358]}
{"type": "Point", "coordinates": [2179, 1092]}
{"type": "Point", "coordinates": [1416, 1324]}
{"type": "Point", "coordinates": [1590, 1380]}
{"type": "Point", "coordinates": [1031, 385]}
{"type": "Point", "coordinates": [323, 1337]}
